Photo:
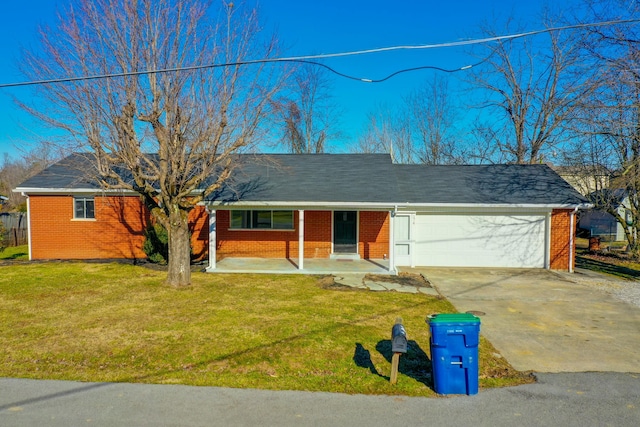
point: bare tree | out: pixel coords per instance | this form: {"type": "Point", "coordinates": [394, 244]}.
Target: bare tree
{"type": "Point", "coordinates": [608, 130]}
{"type": "Point", "coordinates": [309, 117]}
{"type": "Point", "coordinates": [484, 146]}
{"type": "Point", "coordinates": [532, 88]}
{"type": "Point", "coordinates": [15, 171]}
{"type": "Point", "coordinates": [387, 131]}
{"type": "Point", "coordinates": [193, 121]}
{"type": "Point", "coordinates": [420, 130]}
{"type": "Point", "coordinates": [432, 115]}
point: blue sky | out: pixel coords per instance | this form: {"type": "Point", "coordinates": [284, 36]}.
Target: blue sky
{"type": "Point", "coordinates": [305, 27]}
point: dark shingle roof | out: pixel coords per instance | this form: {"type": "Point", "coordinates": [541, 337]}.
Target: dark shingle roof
{"type": "Point", "coordinates": [72, 172]}
{"type": "Point", "coordinates": [485, 184]}
{"type": "Point", "coordinates": [313, 177]}
{"type": "Point", "coordinates": [357, 178]}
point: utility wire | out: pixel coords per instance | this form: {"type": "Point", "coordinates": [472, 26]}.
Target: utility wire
{"type": "Point", "coordinates": [405, 70]}
{"type": "Point", "coordinates": [308, 58]}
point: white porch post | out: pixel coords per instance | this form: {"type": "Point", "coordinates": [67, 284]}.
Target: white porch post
{"type": "Point", "coordinates": [392, 239]}
{"type": "Point", "coordinates": [300, 239]}
{"type": "Point", "coordinates": [212, 239]}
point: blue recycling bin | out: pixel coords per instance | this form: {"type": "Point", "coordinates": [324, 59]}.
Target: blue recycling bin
{"type": "Point", "coordinates": [454, 353]}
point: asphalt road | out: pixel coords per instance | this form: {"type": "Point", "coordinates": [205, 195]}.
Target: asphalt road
{"type": "Point", "coordinates": [565, 399]}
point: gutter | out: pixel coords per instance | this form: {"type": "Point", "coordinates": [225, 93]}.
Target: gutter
{"type": "Point", "coordinates": [572, 238]}
{"type": "Point", "coordinates": [421, 207]}
{"type": "Point", "coordinates": [29, 225]}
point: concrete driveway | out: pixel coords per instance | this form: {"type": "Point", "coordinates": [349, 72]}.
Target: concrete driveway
{"type": "Point", "coordinates": [546, 321]}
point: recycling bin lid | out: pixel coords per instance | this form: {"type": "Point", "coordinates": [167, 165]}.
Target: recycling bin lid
{"type": "Point", "coordinates": [452, 318]}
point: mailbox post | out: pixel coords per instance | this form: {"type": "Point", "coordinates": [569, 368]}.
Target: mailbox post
{"type": "Point", "coordinates": [398, 347]}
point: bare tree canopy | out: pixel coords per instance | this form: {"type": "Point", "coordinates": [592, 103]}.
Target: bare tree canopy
{"type": "Point", "coordinates": [432, 115]}
{"type": "Point", "coordinates": [530, 88]}
{"type": "Point", "coordinates": [170, 132]}
{"type": "Point", "coordinates": [420, 130]}
{"type": "Point", "coordinates": [607, 129]}
{"type": "Point", "coordinates": [13, 172]}
{"type": "Point", "coordinates": [308, 116]}
{"type": "Point", "coordinates": [387, 131]}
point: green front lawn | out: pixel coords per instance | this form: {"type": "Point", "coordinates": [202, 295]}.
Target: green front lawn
{"type": "Point", "coordinates": [15, 253]}
{"type": "Point", "coordinates": [114, 322]}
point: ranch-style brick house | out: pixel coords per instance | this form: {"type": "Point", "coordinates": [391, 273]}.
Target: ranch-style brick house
{"type": "Point", "coordinates": [302, 207]}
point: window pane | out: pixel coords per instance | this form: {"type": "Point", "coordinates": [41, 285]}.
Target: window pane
{"type": "Point", "coordinates": [283, 220]}
{"type": "Point", "coordinates": [261, 219]}
{"type": "Point", "coordinates": [79, 208]}
{"type": "Point", "coordinates": [83, 207]}
{"type": "Point", "coordinates": [239, 219]}
{"type": "Point", "coordinates": [89, 208]}
{"type": "Point", "coordinates": [402, 227]}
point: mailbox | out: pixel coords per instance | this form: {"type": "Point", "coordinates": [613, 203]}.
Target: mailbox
{"type": "Point", "coordinates": [398, 338]}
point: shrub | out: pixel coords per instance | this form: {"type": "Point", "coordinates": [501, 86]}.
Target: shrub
{"type": "Point", "coordinates": [156, 244]}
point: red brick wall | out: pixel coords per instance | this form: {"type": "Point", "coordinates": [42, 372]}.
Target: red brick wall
{"type": "Point", "coordinates": [560, 240]}
{"type": "Point", "coordinates": [373, 237]}
{"type": "Point", "coordinates": [199, 227]}
{"type": "Point", "coordinates": [275, 243]}
{"type": "Point", "coordinates": [116, 232]}
{"type": "Point", "coordinates": [317, 234]}
{"type": "Point", "coordinates": [374, 234]}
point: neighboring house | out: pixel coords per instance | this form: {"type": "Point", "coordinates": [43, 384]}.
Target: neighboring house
{"type": "Point", "coordinates": [585, 179]}
{"type": "Point", "coordinates": [306, 206]}
{"type": "Point", "coordinates": [600, 223]}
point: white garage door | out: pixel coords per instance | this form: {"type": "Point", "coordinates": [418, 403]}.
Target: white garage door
{"type": "Point", "coordinates": [479, 240]}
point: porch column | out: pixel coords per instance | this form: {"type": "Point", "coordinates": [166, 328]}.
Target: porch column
{"type": "Point", "coordinates": [392, 239]}
{"type": "Point", "coordinates": [300, 239]}
{"type": "Point", "coordinates": [212, 239]}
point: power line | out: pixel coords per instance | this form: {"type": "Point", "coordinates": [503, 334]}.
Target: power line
{"type": "Point", "coordinates": [308, 59]}
{"type": "Point", "coordinates": [395, 73]}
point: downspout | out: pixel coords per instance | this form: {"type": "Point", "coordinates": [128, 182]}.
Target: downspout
{"type": "Point", "coordinates": [29, 225]}
{"type": "Point", "coordinates": [547, 250]}
{"type": "Point", "coordinates": [572, 238]}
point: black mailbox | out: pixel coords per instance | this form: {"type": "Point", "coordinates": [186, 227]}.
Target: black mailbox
{"type": "Point", "coordinates": [398, 338]}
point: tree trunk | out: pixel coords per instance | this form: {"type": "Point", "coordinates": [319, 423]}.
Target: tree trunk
{"type": "Point", "coordinates": [179, 271]}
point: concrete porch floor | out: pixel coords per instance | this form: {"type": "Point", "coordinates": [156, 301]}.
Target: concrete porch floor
{"type": "Point", "coordinates": [290, 266]}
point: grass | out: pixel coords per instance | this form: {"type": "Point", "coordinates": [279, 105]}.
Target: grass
{"type": "Point", "coordinates": [15, 253]}
{"type": "Point", "coordinates": [120, 323]}
{"type": "Point", "coordinates": [611, 264]}
{"type": "Point", "coordinates": [607, 260]}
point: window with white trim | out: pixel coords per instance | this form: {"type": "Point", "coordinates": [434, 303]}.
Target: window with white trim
{"type": "Point", "coordinates": [264, 220]}
{"type": "Point", "coordinates": [84, 208]}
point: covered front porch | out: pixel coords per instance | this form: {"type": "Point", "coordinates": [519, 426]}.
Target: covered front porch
{"type": "Point", "coordinates": [343, 241]}
{"type": "Point", "coordinates": [310, 266]}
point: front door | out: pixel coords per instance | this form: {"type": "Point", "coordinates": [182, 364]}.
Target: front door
{"type": "Point", "coordinates": [403, 244]}
{"type": "Point", "coordinates": [345, 232]}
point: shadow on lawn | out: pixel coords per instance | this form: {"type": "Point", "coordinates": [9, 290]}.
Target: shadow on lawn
{"type": "Point", "coordinates": [603, 267]}
{"type": "Point", "coordinates": [14, 256]}
{"type": "Point", "coordinates": [415, 363]}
